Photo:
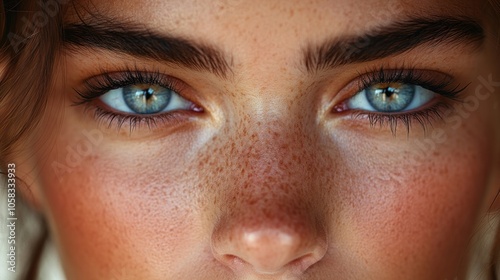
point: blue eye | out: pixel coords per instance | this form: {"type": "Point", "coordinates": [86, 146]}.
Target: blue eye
{"type": "Point", "coordinates": [390, 98]}
{"type": "Point", "coordinates": [144, 99]}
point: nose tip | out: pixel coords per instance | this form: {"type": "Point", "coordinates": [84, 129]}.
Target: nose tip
{"type": "Point", "coordinates": [270, 251]}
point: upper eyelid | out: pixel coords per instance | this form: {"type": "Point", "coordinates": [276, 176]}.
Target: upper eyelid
{"type": "Point", "coordinates": [439, 82]}
{"type": "Point", "coordinates": [402, 75]}
{"type": "Point", "coordinates": [98, 85]}
{"type": "Point", "coordinates": [118, 78]}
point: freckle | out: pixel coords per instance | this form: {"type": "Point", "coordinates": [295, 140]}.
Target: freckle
{"type": "Point", "coordinates": [268, 169]}
{"type": "Point", "coordinates": [445, 170]}
{"type": "Point", "coordinates": [252, 201]}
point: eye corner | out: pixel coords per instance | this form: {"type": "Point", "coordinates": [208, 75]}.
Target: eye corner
{"type": "Point", "coordinates": [340, 107]}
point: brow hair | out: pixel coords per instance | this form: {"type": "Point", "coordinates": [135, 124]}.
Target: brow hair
{"type": "Point", "coordinates": [134, 40]}
{"type": "Point", "coordinates": [392, 39]}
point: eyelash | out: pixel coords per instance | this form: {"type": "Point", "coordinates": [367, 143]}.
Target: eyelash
{"type": "Point", "coordinates": [101, 84]}
{"type": "Point", "coordinates": [105, 82]}
{"type": "Point", "coordinates": [441, 85]}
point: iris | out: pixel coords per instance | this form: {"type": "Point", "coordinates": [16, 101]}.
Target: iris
{"type": "Point", "coordinates": [390, 97]}
{"type": "Point", "coordinates": [146, 98]}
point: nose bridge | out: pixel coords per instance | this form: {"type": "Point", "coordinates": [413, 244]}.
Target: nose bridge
{"type": "Point", "coordinates": [276, 152]}
{"type": "Point", "coordinates": [274, 161]}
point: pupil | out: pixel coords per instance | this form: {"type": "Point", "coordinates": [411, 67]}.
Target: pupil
{"type": "Point", "coordinates": [389, 91]}
{"type": "Point", "coordinates": [148, 93]}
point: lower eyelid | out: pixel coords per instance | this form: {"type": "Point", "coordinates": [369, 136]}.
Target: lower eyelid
{"type": "Point", "coordinates": [428, 116]}
{"type": "Point", "coordinates": [145, 123]}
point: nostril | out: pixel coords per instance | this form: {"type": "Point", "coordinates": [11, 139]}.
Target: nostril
{"type": "Point", "coordinates": [269, 251]}
{"type": "Point", "coordinates": [232, 260]}
{"type": "Point", "coordinates": [295, 266]}
{"type": "Point", "coordinates": [303, 263]}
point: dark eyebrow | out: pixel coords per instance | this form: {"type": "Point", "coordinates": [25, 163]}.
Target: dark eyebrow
{"type": "Point", "coordinates": [129, 39]}
{"type": "Point", "coordinates": [393, 39]}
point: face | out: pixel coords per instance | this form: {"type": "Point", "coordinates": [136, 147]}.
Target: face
{"type": "Point", "coordinates": [269, 139]}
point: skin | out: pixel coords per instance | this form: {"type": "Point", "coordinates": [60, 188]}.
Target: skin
{"type": "Point", "coordinates": [267, 182]}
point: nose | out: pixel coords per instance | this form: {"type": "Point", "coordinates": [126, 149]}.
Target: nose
{"type": "Point", "coordinates": [270, 217]}
{"type": "Point", "coordinates": [269, 250]}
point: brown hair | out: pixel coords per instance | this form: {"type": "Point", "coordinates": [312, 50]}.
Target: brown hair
{"type": "Point", "coordinates": [28, 44]}
{"type": "Point", "coordinates": [30, 33]}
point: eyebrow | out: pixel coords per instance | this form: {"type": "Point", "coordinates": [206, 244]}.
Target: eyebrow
{"type": "Point", "coordinates": [127, 38]}
{"type": "Point", "coordinates": [395, 38]}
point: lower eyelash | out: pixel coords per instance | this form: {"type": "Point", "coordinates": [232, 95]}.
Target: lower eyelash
{"type": "Point", "coordinates": [134, 121]}
{"type": "Point", "coordinates": [423, 117]}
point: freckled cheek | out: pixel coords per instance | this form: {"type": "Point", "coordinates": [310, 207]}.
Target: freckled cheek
{"type": "Point", "coordinates": [115, 208]}
{"type": "Point", "coordinates": [409, 208]}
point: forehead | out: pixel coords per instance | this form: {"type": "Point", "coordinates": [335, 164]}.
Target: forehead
{"type": "Point", "coordinates": [312, 18]}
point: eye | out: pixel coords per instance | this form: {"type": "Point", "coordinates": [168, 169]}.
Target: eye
{"type": "Point", "coordinates": [144, 99]}
{"type": "Point", "coordinates": [390, 98]}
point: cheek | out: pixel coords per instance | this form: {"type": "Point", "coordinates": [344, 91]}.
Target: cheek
{"type": "Point", "coordinates": [126, 206]}
{"type": "Point", "coordinates": [417, 201]}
